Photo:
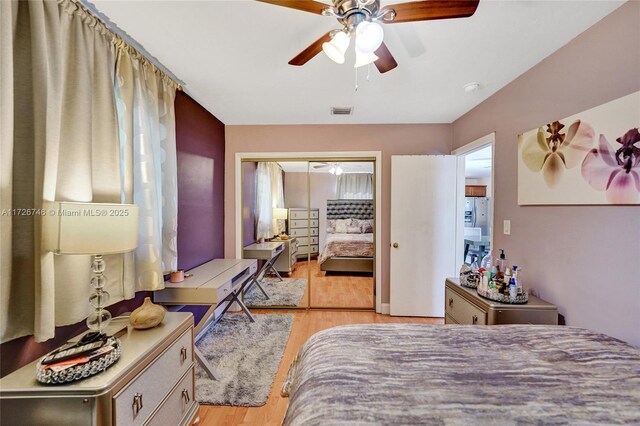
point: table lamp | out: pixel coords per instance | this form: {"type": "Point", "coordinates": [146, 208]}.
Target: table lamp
{"type": "Point", "coordinates": [72, 228]}
{"type": "Point", "coordinates": [279, 214]}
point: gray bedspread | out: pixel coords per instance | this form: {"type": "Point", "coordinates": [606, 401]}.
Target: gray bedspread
{"type": "Point", "coordinates": [346, 245]}
{"type": "Point", "coordinates": [410, 374]}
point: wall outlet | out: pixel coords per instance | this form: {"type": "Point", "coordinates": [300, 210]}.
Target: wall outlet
{"type": "Point", "coordinates": [506, 225]}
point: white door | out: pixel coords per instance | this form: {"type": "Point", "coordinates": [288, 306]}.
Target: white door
{"type": "Point", "coordinates": [423, 232]}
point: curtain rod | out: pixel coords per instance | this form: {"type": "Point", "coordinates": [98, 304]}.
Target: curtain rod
{"type": "Point", "coordinates": [131, 43]}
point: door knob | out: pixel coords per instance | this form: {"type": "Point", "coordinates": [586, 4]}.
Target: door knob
{"type": "Point", "coordinates": [396, 245]}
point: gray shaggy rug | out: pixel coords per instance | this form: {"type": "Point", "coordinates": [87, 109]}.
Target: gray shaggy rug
{"type": "Point", "coordinates": [246, 355]}
{"type": "Point", "coordinates": [287, 292]}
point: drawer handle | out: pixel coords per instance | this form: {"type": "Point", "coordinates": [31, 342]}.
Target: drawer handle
{"type": "Point", "coordinates": [185, 396]}
{"type": "Point", "coordinates": [137, 403]}
{"type": "Point", "coordinates": [451, 301]}
{"type": "Point", "coordinates": [475, 319]}
{"type": "Point", "coordinates": [183, 354]}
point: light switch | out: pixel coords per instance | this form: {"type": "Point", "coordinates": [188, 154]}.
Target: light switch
{"type": "Point", "coordinates": [506, 224]}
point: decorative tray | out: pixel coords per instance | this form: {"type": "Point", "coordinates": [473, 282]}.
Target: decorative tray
{"type": "Point", "coordinates": [469, 279]}
{"type": "Point", "coordinates": [497, 297]}
{"type": "Point", "coordinates": [52, 376]}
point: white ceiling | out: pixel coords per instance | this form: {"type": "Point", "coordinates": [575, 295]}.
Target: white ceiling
{"type": "Point", "coordinates": [477, 165]}
{"type": "Point", "coordinates": [323, 167]}
{"type": "Point", "coordinates": [233, 57]}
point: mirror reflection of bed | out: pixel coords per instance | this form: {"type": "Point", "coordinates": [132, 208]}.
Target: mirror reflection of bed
{"type": "Point", "coordinates": [329, 230]}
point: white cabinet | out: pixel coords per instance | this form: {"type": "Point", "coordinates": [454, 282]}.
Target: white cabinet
{"type": "Point", "coordinates": [303, 224]}
{"type": "Point", "coordinates": [152, 383]}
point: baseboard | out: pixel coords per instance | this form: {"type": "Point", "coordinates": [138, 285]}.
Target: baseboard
{"type": "Point", "coordinates": [385, 308]}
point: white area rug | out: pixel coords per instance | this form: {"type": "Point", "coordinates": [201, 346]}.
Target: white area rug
{"type": "Point", "coordinates": [287, 292]}
{"type": "Point", "coordinates": [247, 356]}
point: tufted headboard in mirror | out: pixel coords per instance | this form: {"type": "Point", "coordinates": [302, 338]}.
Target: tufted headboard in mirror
{"type": "Point", "coordinates": [349, 209]}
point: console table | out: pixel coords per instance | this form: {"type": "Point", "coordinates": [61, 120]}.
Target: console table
{"type": "Point", "coordinates": [152, 383]}
{"type": "Point", "coordinates": [269, 252]}
{"type": "Point", "coordinates": [214, 283]}
{"type": "Point", "coordinates": [464, 306]}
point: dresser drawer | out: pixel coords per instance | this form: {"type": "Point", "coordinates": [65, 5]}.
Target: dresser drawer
{"type": "Point", "coordinates": [304, 223]}
{"type": "Point", "coordinates": [304, 232]}
{"type": "Point", "coordinates": [177, 404]}
{"type": "Point", "coordinates": [135, 403]}
{"type": "Point", "coordinates": [305, 241]}
{"type": "Point", "coordinates": [303, 214]}
{"type": "Point", "coordinates": [223, 291]}
{"type": "Point", "coordinates": [307, 249]}
{"type": "Point", "coordinates": [462, 311]}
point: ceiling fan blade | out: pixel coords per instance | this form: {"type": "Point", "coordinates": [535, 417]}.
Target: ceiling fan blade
{"type": "Point", "coordinates": [385, 60]}
{"type": "Point", "coordinates": [427, 10]}
{"type": "Point", "coordinates": [304, 5]}
{"type": "Point", "coordinates": [307, 54]}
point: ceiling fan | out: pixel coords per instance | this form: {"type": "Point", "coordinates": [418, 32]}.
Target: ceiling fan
{"type": "Point", "coordinates": [359, 19]}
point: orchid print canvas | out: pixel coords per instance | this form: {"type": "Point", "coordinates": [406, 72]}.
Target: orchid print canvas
{"type": "Point", "coordinates": [590, 158]}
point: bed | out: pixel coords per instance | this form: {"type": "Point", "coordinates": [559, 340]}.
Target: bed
{"type": "Point", "coordinates": [346, 250]}
{"type": "Point", "coordinates": [455, 374]}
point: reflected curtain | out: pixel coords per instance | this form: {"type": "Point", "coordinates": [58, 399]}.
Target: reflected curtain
{"type": "Point", "coordinates": [354, 186]}
{"type": "Point", "coordinates": [58, 125]}
{"type": "Point", "coordinates": [269, 195]}
{"type": "Point", "coordinates": [149, 173]}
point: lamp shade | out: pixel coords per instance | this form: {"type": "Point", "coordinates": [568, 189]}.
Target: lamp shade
{"type": "Point", "coordinates": [363, 59]}
{"type": "Point", "coordinates": [279, 214]}
{"type": "Point", "coordinates": [369, 36]}
{"type": "Point", "coordinates": [90, 228]}
{"type": "Point", "coordinates": [336, 47]}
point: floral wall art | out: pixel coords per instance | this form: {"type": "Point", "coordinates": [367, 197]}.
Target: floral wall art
{"type": "Point", "coordinates": [589, 158]}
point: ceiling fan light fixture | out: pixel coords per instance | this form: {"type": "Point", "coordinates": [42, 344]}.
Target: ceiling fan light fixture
{"type": "Point", "coordinates": [336, 48]}
{"type": "Point", "coordinates": [363, 59]}
{"type": "Point", "coordinates": [369, 36]}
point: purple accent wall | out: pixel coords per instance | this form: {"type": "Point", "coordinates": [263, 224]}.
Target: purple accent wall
{"type": "Point", "coordinates": [584, 259]}
{"type": "Point", "coordinates": [200, 145]}
{"type": "Point", "coordinates": [248, 202]}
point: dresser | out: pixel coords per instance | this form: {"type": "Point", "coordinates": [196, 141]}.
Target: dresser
{"type": "Point", "coordinates": [287, 260]}
{"type": "Point", "coordinates": [463, 306]}
{"type": "Point", "coordinates": [151, 384]}
{"type": "Point", "coordinates": [304, 225]}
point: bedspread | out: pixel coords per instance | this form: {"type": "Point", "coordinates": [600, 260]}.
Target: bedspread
{"type": "Point", "coordinates": [346, 245]}
{"type": "Point", "coordinates": [407, 374]}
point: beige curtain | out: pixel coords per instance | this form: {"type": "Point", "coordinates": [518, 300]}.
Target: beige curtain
{"type": "Point", "coordinates": [59, 142]}
{"type": "Point", "coordinates": [147, 138]}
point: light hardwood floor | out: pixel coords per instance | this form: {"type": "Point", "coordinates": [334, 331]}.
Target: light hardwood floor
{"type": "Point", "coordinates": [305, 324]}
{"type": "Point", "coordinates": [335, 290]}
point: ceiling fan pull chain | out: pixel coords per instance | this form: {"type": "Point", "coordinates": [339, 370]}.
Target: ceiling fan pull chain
{"type": "Point", "coordinates": [369, 72]}
{"type": "Point", "coordinates": [356, 80]}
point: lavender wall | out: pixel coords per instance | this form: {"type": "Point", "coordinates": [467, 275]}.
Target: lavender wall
{"type": "Point", "coordinates": [323, 188]}
{"type": "Point", "coordinates": [390, 139]}
{"type": "Point", "coordinates": [200, 146]}
{"type": "Point", "coordinates": [248, 202]}
{"type": "Point", "coordinates": [582, 258]}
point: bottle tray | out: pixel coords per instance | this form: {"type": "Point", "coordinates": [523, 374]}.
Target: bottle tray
{"type": "Point", "coordinates": [497, 297]}
{"type": "Point", "coordinates": [80, 371]}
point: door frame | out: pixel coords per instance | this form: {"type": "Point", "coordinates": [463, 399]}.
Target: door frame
{"type": "Point", "coordinates": [314, 156]}
{"type": "Point", "coordinates": [461, 152]}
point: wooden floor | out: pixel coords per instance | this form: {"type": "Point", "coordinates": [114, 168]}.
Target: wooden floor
{"type": "Point", "coordinates": [335, 290]}
{"type": "Point", "coordinates": [306, 323]}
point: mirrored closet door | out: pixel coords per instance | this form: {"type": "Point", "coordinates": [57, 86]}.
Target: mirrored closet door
{"type": "Point", "coordinates": [342, 265]}
{"type": "Point", "coordinates": [311, 225]}
{"type": "Point", "coordinates": [266, 217]}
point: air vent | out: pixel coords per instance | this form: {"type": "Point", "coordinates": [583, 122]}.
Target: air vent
{"type": "Point", "coordinates": [341, 110]}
